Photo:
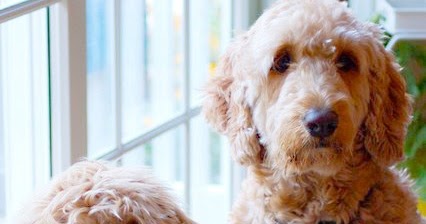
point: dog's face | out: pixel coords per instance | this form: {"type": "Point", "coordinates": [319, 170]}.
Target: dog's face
{"type": "Point", "coordinates": [310, 104]}
{"type": "Point", "coordinates": [307, 83]}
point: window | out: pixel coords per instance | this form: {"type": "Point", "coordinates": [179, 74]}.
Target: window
{"type": "Point", "coordinates": [24, 108]}
{"type": "Point", "coordinates": [117, 80]}
{"type": "Point", "coordinates": [147, 61]}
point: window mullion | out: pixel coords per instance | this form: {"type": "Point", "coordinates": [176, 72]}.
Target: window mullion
{"type": "Point", "coordinates": [39, 100]}
{"type": "Point", "coordinates": [68, 83]}
{"type": "Point", "coordinates": [240, 23]}
{"type": "Point", "coordinates": [187, 142]}
{"type": "Point", "coordinates": [152, 134]}
{"type": "Point", "coordinates": [23, 8]}
{"type": "Point", "coordinates": [117, 74]}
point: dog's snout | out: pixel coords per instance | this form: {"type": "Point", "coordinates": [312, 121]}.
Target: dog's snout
{"type": "Point", "coordinates": [321, 123]}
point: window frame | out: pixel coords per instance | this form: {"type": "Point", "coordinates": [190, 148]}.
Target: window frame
{"type": "Point", "coordinates": [68, 84]}
{"type": "Point", "coordinates": [36, 112]}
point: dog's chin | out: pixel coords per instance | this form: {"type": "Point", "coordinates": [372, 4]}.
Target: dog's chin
{"type": "Point", "coordinates": [325, 159]}
{"type": "Point", "coordinates": [322, 169]}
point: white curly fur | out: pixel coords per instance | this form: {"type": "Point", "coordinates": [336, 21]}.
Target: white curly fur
{"type": "Point", "coordinates": [95, 192]}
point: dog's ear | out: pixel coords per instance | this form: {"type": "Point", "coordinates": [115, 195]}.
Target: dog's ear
{"type": "Point", "coordinates": [225, 107]}
{"type": "Point", "coordinates": [389, 111]}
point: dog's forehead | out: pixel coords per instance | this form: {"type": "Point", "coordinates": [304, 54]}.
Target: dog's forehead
{"type": "Point", "coordinates": [317, 26]}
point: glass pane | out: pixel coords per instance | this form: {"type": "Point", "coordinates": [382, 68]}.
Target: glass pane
{"type": "Point", "coordinates": [210, 32]}
{"type": "Point", "coordinates": [152, 64]}
{"type": "Point", "coordinates": [134, 81]}
{"type": "Point", "coordinates": [100, 77]}
{"type": "Point", "coordinates": [24, 110]}
{"type": "Point", "coordinates": [165, 155]}
{"type": "Point", "coordinates": [210, 174]}
{"type": "Point", "coordinates": [7, 3]}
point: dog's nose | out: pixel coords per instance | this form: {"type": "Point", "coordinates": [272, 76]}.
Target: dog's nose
{"type": "Point", "coordinates": [321, 123]}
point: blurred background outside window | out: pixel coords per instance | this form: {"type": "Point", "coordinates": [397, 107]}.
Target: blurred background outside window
{"type": "Point", "coordinates": [147, 62]}
{"type": "Point", "coordinates": [121, 80]}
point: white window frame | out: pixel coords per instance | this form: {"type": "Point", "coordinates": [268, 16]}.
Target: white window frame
{"type": "Point", "coordinates": [68, 91]}
{"type": "Point", "coordinates": [67, 33]}
{"type": "Point", "coordinates": [32, 162]}
{"type": "Point", "coordinates": [68, 78]}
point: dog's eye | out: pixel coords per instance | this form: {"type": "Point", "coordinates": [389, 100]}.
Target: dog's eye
{"type": "Point", "coordinates": [346, 63]}
{"type": "Point", "coordinates": [282, 62]}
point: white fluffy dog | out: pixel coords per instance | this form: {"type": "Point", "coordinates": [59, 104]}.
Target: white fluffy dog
{"type": "Point", "coordinates": [96, 193]}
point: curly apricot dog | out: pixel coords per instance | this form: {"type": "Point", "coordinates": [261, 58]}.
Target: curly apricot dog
{"type": "Point", "coordinates": [316, 109]}
{"type": "Point", "coordinates": [95, 193]}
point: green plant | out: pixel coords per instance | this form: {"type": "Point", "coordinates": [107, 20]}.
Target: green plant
{"type": "Point", "coordinates": [412, 57]}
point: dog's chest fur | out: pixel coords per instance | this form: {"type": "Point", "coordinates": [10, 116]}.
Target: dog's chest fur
{"type": "Point", "coordinates": [313, 199]}
{"type": "Point", "coordinates": [304, 202]}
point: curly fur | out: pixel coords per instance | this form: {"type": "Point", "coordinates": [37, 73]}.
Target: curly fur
{"type": "Point", "coordinates": [93, 192]}
{"type": "Point", "coordinates": [292, 176]}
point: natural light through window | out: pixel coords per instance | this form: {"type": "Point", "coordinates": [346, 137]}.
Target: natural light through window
{"type": "Point", "coordinates": [147, 62]}
{"type": "Point", "coordinates": [121, 80]}
{"type": "Point", "coordinates": [24, 109]}
{"type": "Point", "coordinates": [113, 80]}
